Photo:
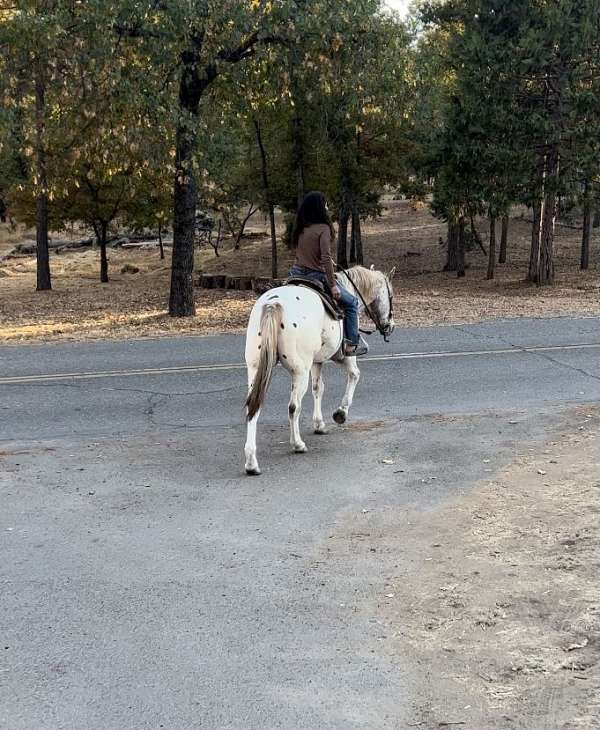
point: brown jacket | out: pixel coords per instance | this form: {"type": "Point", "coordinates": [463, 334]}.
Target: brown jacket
{"type": "Point", "coordinates": [314, 250]}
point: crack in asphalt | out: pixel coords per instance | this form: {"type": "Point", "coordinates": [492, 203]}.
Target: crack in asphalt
{"type": "Point", "coordinates": [484, 336]}
{"type": "Point", "coordinates": [525, 351]}
{"type": "Point", "coordinates": [566, 365]}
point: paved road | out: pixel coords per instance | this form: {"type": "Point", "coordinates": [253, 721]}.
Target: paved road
{"type": "Point", "coordinates": [146, 583]}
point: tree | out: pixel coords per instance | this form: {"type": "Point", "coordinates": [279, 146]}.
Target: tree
{"type": "Point", "coordinates": [504, 238]}
{"type": "Point", "coordinates": [211, 43]}
{"type": "Point", "coordinates": [528, 86]}
{"type": "Point", "coordinates": [32, 66]}
{"type": "Point", "coordinates": [268, 196]}
{"type": "Point", "coordinates": [365, 97]}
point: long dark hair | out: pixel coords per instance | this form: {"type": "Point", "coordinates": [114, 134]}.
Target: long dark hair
{"type": "Point", "coordinates": [313, 210]}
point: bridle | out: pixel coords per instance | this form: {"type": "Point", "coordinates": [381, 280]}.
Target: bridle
{"type": "Point", "coordinates": [374, 316]}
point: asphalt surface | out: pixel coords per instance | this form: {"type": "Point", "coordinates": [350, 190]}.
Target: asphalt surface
{"type": "Point", "coordinates": [147, 583]}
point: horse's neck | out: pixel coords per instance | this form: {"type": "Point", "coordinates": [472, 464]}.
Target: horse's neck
{"type": "Point", "coordinates": [356, 286]}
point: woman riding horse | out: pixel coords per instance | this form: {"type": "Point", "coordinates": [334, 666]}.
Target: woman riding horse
{"type": "Point", "coordinates": [312, 237]}
{"type": "Point", "coordinates": [290, 325]}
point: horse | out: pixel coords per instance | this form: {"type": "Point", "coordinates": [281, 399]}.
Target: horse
{"type": "Point", "coordinates": [290, 325]}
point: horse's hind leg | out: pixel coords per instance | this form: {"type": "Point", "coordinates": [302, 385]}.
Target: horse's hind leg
{"type": "Point", "coordinates": [349, 364]}
{"type": "Point", "coordinates": [252, 468]}
{"type": "Point", "coordinates": [299, 388]}
{"type": "Point", "coordinates": [317, 388]}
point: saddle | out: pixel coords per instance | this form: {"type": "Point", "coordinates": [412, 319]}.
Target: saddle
{"type": "Point", "coordinates": [328, 301]}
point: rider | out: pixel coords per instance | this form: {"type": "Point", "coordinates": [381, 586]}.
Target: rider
{"type": "Point", "coordinates": [312, 237]}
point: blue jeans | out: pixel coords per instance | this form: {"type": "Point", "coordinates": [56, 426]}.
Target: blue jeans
{"type": "Point", "coordinates": [347, 301]}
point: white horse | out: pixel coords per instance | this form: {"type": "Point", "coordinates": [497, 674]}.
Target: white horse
{"type": "Point", "coordinates": [289, 324]}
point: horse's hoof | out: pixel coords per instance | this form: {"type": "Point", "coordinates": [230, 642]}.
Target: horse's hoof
{"type": "Point", "coordinates": [300, 449]}
{"type": "Point", "coordinates": [321, 431]}
{"type": "Point", "coordinates": [339, 416]}
{"type": "Point", "coordinates": [253, 472]}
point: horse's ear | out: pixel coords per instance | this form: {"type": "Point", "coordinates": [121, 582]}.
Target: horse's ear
{"type": "Point", "coordinates": [390, 276]}
{"type": "Point", "coordinates": [372, 267]}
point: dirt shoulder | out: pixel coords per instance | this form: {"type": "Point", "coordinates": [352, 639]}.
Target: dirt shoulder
{"type": "Point", "coordinates": [134, 302]}
{"type": "Point", "coordinates": [496, 596]}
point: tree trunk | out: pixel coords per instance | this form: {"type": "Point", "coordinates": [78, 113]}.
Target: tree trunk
{"type": "Point", "coordinates": [274, 265]}
{"type": "Point", "coordinates": [538, 206]}
{"type": "Point", "coordinates": [587, 227]}
{"type": "Point", "coordinates": [103, 258]}
{"type": "Point", "coordinates": [43, 259]}
{"type": "Point", "coordinates": [357, 237]}
{"type": "Point", "coordinates": [461, 265]}
{"type": "Point", "coordinates": [452, 247]}
{"type": "Point", "coordinates": [503, 240]}
{"type": "Point", "coordinates": [181, 299]}
{"type": "Point", "coordinates": [193, 82]}
{"type": "Point", "coordinates": [492, 248]}
{"type": "Point", "coordinates": [297, 134]}
{"type": "Point", "coordinates": [476, 235]}
{"type": "Point", "coordinates": [217, 243]}
{"type": "Point", "coordinates": [160, 241]}
{"type": "Point", "coordinates": [268, 197]}
{"type": "Point", "coordinates": [535, 241]}
{"type": "Point", "coordinates": [352, 240]}
{"type": "Point", "coordinates": [240, 234]}
{"type": "Point", "coordinates": [298, 153]}
{"type": "Point", "coordinates": [342, 246]}
{"type": "Point", "coordinates": [545, 274]}
{"type": "Point", "coordinates": [596, 221]}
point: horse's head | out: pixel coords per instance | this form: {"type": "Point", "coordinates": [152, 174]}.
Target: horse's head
{"type": "Point", "coordinates": [376, 292]}
{"type": "Point", "coordinates": [383, 302]}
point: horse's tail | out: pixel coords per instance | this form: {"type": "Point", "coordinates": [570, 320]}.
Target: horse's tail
{"type": "Point", "coordinates": [270, 322]}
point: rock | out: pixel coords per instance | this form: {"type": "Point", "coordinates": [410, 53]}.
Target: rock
{"type": "Point", "coordinates": [129, 269]}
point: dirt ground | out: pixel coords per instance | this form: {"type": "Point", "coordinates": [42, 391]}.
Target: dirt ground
{"type": "Point", "coordinates": [494, 596]}
{"type": "Point", "coordinates": [405, 237]}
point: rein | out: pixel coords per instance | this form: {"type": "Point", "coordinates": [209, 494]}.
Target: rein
{"type": "Point", "coordinates": [372, 316]}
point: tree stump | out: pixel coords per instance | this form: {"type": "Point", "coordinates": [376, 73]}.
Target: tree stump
{"type": "Point", "coordinates": [207, 282]}
{"type": "Point", "coordinates": [219, 281]}
{"type": "Point", "coordinates": [261, 284]}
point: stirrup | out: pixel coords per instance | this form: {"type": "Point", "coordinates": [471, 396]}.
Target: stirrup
{"type": "Point", "coordinates": [352, 350]}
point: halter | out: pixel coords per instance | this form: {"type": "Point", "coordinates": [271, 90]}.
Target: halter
{"type": "Point", "coordinates": [374, 317]}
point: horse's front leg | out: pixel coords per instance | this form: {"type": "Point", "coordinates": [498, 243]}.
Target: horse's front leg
{"type": "Point", "coordinates": [299, 388]}
{"type": "Point", "coordinates": [317, 389]}
{"type": "Point", "coordinates": [349, 364]}
{"type": "Point", "coordinates": [252, 468]}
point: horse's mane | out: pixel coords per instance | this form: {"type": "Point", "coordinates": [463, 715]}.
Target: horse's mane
{"type": "Point", "coordinates": [366, 281]}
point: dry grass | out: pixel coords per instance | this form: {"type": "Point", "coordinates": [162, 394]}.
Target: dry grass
{"type": "Point", "coordinates": [490, 598]}
{"type": "Point", "coordinates": [135, 304]}
{"type": "Point", "coordinates": [504, 612]}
